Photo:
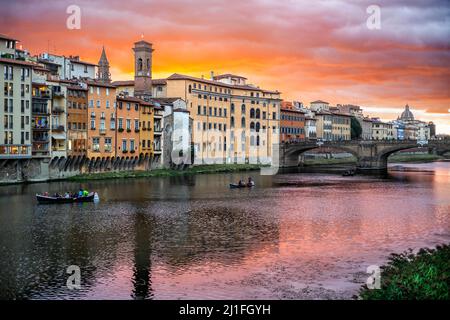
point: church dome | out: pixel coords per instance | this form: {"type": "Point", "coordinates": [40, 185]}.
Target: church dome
{"type": "Point", "coordinates": [407, 115]}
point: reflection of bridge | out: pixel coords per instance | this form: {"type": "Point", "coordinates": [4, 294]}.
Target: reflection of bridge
{"type": "Point", "coordinates": [370, 154]}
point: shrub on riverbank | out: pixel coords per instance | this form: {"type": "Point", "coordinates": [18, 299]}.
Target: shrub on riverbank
{"type": "Point", "coordinates": [201, 169]}
{"type": "Point", "coordinates": [408, 276]}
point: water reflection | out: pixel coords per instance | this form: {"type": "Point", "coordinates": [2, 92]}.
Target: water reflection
{"type": "Point", "coordinates": [307, 235]}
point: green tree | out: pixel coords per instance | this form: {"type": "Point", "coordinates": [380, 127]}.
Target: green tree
{"type": "Point", "coordinates": [356, 129]}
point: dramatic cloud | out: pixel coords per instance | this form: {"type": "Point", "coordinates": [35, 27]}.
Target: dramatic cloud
{"type": "Point", "coordinates": [307, 49]}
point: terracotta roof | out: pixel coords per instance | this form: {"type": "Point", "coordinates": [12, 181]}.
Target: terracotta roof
{"type": "Point", "coordinates": [319, 101]}
{"type": "Point", "coordinates": [83, 62]}
{"type": "Point", "coordinates": [18, 62]}
{"type": "Point", "coordinates": [5, 37]}
{"type": "Point", "coordinates": [292, 110]}
{"type": "Point", "coordinates": [76, 88]}
{"type": "Point", "coordinates": [228, 75]}
{"type": "Point", "coordinates": [130, 83]}
{"type": "Point", "coordinates": [99, 84]}
{"type": "Point", "coordinates": [177, 76]}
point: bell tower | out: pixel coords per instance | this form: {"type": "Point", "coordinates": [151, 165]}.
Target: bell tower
{"type": "Point", "coordinates": [143, 70]}
{"type": "Point", "coordinates": [103, 68]}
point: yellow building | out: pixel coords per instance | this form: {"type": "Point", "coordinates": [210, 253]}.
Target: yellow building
{"type": "Point", "coordinates": [340, 126]}
{"type": "Point", "coordinates": [233, 122]}
{"type": "Point", "coordinates": [146, 121]}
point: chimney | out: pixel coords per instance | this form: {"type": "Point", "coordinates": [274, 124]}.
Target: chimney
{"type": "Point", "coordinates": [212, 75]}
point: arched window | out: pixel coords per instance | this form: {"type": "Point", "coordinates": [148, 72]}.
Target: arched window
{"type": "Point", "coordinates": [243, 108]}
{"type": "Point", "coordinates": [252, 126]}
{"type": "Point", "coordinates": [232, 122]}
{"type": "Point", "coordinates": [258, 114]}
{"type": "Point", "coordinates": [140, 64]}
{"type": "Point", "coordinates": [257, 127]}
{"type": "Point", "coordinates": [252, 113]}
{"type": "Point", "coordinates": [243, 122]}
{"type": "Point", "coordinates": [232, 108]}
{"type": "Point", "coordinates": [148, 64]}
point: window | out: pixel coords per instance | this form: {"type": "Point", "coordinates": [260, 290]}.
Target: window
{"type": "Point", "coordinates": [113, 124]}
{"type": "Point", "coordinates": [85, 69]}
{"type": "Point", "coordinates": [107, 104]}
{"type": "Point", "coordinates": [136, 124]}
{"type": "Point", "coordinates": [91, 103]}
{"type": "Point", "coordinates": [107, 91]}
{"type": "Point", "coordinates": [128, 124]}
{"type": "Point", "coordinates": [232, 122]}
{"type": "Point", "coordinates": [243, 122]}
{"type": "Point", "coordinates": [131, 144]}
{"type": "Point", "coordinates": [102, 124]}
{"type": "Point", "coordinates": [120, 123]}
{"type": "Point", "coordinates": [93, 124]}
{"type": "Point", "coordinates": [252, 113]}
{"type": "Point", "coordinates": [128, 106]}
{"type": "Point", "coordinates": [232, 108]}
{"type": "Point", "coordinates": [199, 109]}
{"type": "Point", "coordinates": [96, 144]}
{"type": "Point", "coordinates": [136, 106]}
{"type": "Point", "coordinates": [124, 145]}
{"type": "Point", "coordinates": [98, 103]}
{"type": "Point", "coordinates": [243, 108]}
{"type": "Point", "coordinates": [108, 144]}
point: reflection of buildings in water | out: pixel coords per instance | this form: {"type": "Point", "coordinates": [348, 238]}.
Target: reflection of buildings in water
{"type": "Point", "coordinates": [219, 235]}
{"type": "Point", "coordinates": [143, 228]}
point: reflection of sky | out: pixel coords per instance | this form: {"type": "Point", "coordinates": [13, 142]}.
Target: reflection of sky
{"type": "Point", "coordinates": [316, 49]}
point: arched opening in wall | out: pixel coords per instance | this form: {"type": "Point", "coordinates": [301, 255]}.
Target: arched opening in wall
{"type": "Point", "coordinates": [315, 155]}
{"type": "Point", "coordinates": [257, 127]}
{"type": "Point", "coordinates": [243, 108]}
{"type": "Point", "coordinates": [232, 108]}
{"type": "Point", "coordinates": [139, 64]}
{"type": "Point", "coordinates": [232, 122]}
{"type": "Point", "coordinates": [258, 114]}
{"type": "Point", "coordinates": [243, 122]}
{"type": "Point", "coordinates": [407, 154]}
{"type": "Point", "coordinates": [252, 113]}
{"type": "Point", "coordinates": [252, 126]}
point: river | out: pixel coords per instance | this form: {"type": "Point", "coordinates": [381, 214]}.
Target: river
{"type": "Point", "coordinates": [293, 236]}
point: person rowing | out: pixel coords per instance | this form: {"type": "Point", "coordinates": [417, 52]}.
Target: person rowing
{"type": "Point", "coordinates": [250, 182]}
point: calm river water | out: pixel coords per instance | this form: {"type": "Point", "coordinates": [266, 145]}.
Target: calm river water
{"type": "Point", "coordinates": [293, 236]}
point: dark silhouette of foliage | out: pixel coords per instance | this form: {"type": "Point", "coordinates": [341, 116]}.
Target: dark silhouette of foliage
{"type": "Point", "coordinates": [409, 276]}
{"type": "Point", "coordinates": [356, 129]}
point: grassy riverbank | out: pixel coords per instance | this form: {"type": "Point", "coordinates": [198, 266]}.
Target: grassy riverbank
{"type": "Point", "coordinates": [202, 169]}
{"type": "Point", "coordinates": [408, 276]}
{"type": "Point", "coordinates": [414, 158]}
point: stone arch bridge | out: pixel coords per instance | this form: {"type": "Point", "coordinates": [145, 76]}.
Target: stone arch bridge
{"type": "Point", "coordinates": [370, 154]}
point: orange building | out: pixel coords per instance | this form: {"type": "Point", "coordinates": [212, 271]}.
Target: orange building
{"type": "Point", "coordinates": [101, 131]}
{"type": "Point", "coordinates": [292, 123]}
{"type": "Point", "coordinates": [146, 123]}
{"type": "Point", "coordinates": [77, 119]}
{"type": "Point", "coordinates": [128, 127]}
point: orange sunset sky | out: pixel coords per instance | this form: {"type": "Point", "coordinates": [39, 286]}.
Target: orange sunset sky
{"type": "Point", "coordinates": [308, 50]}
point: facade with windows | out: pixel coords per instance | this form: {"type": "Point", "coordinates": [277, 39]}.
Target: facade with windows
{"type": "Point", "coordinates": [15, 103]}
{"type": "Point", "coordinates": [101, 117]}
{"type": "Point", "coordinates": [77, 119]}
{"type": "Point", "coordinates": [292, 125]}
{"type": "Point", "coordinates": [233, 122]}
{"type": "Point", "coordinates": [128, 126]}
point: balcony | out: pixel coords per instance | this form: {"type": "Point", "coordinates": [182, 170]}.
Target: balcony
{"type": "Point", "coordinates": [58, 94]}
{"type": "Point", "coordinates": [40, 127]}
{"type": "Point", "coordinates": [43, 111]}
{"type": "Point", "coordinates": [58, 128]}
{"type": "Point", "coordinates": [15, 151]}
{"type": "Point", "coordinates": [58, 109]}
